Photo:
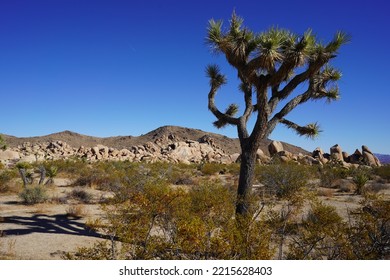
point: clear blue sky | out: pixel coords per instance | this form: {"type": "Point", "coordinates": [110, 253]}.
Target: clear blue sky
{"type": "Point", "coordinates": [116, 67]}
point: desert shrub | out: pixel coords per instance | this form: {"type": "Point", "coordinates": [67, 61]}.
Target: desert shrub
{"type": "Point", "coordinates": [329, 173]}
{"type": "Point", "coordinates": [232, 168]}
{"type": "Point", "coordinates": [383, 172]}
{"type": "Point", "coordinates": [320, 235]}
{"type": "Point", "coordinates": [76, 211]}
{"type": "Point", "coordinates": [377, 187]}
{"type": "Point", "coordinates": [81, 195]}
{"type": "Point", "coordinates": [211, 168]}
{"type": "Point", "coordinates": [369, 232]}
{"type": "Point", "coordinates": [71, 167]}
{"type": "Point", "coordinates": [5, 177]}
{"type": "Point", "coordinates": [360, 178]}
{"type": "Point", "coordinates": [33, 194]}
{"type": "Point", "coordinates": [159, 222]}
{"type": "Point", "coordinates": [285, 180]}
{"type": "Point", "coordinates": [289, 184]}
{"type": "Point", "coordinates": [100, 251]}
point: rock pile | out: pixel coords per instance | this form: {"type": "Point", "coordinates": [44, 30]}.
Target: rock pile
{"type": "Point", "coordinates": [336, 155]}
{"type": "Point", "coordinates": [165, 150]}
{"type": "Point", "coordinates": [364, 157]}
{"type": "Point", "coordinates": [169, 149]}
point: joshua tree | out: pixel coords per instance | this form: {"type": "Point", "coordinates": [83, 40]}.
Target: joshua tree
{"type": "Point", "coordinates": [270, 66]}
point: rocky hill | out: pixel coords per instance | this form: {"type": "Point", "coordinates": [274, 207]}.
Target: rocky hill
{"type": "Point", "coordinates": [168, 144]}
{"type": "Point", "coordinates": [170, 133]}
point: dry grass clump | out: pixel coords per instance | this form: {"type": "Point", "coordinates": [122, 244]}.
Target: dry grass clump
{"type": "Point", "coordinates": [81, 195]}
{"type": "Point", "coordinates": [76, 211]}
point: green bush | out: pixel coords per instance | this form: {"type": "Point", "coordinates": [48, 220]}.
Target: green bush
{"type": "Point", "coordinates": [328, 174]}
{"type": "Point", "coordinates": [210, 168]}
{"type": "Point", "coordinates": [285, 180]}
{"type": "Point", "coordinates": [33, 195]}
{"type": "Point", "coordinates": [369, 232]}
{"type": "Point", "coordinates": [5, 177]}
{"type": "Point", "coordinates": [360, 177]}
{"type": "Point", "coordinates": [156, 221]}
{"type": "Point", "coordinates": [383, 172]}
{"type": "Point", "coordinates": [321, 235]}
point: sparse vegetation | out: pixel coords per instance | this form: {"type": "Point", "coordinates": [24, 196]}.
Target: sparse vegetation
{"type": "Point", "coordinates": [360, 178]}
{"type": "Point", "coordinates": [383, 172]}
{"type": "Point", "coordinates": [174, 211]}
{"type": "Point", "coordinates": [330, 173]}
{"type": "Point", "coordinates": [6, 176]}
{"type": "Point", "coordinates": [81, 195]}
{"type": "Point", "coordinates": [33, 194]}
{"type": "Point", "coordinates": [76, 211]}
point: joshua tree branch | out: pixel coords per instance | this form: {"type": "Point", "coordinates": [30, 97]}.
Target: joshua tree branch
{"type": "Point", "coordinates": [217, 113]}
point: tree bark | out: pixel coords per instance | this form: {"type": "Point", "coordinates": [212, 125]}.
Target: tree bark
{"type": "Point", "coordinates": [22, 173]}
{"type": "Point", "coordinates": [245, 181]}
{"type": "Point", "coordinates": [42, 171]}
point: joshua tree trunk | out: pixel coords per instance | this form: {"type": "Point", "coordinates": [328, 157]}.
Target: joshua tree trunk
{"type": "Point", "coordinates": [22, 173]}
{"type": "Point", "coordinates": [42, 171]}
{"type": "Point", "coordinates": [245, 181]}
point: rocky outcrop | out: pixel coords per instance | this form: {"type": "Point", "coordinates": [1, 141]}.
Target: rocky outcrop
{"type": "Point", "coordinates": [169, 148]}
{"type": "Point", "coordinates": [369, 158]}
{"type": "Point", "coordinates": [166, 150]}
{"type": "Point", "coordinates": [364, 157]}
{"type": "Point", "coordinates": [9, 155]}
{"type": "Point", "coordinates": [336, 153]}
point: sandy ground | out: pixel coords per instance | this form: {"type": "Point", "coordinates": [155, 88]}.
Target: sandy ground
{"type": "Point", "coordinates": [45, 231]}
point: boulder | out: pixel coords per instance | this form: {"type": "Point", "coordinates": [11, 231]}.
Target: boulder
{"type": "Point", "coordinates": [369, 158]}
{"type": "Point", "coordinates": [345, 156]}
{"type": "Point", "coordinates": [356, 157]}
{"type": "Point", "coordinates": [318, 153]}
{"type": "Point", "coordinates": [283, 156]}
{"type": "Point", "coordinates": [366, 149]}
{"type": "Point", "coordinates": [336, 153]}
{"type": "Point", "coordinates": [8, 155]}
{"type": "Point", "coordinates": [275, 147]}
{"type": "Point", "coordinates": [261, 157]}
{"type": "Point", "coordinates": [235, 157]}
{"type": "Point", "coordinates": [28, 158]}
{"type": "Point", "coordinates": [343, 185]}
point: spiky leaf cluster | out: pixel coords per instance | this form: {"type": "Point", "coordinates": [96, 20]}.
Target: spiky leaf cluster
{"type": "Point", "coordinates": [272, 64]}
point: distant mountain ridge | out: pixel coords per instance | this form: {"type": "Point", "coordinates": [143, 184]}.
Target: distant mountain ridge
{"type": "Point", "coordinates": [177, 133]}
{"type": "Point", "coordinates": [384, 159]}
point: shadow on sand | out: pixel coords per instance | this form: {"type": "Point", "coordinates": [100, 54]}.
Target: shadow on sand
{"type": "Point", "coordinates": [55, 224]}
